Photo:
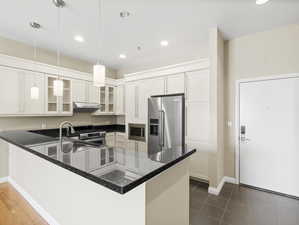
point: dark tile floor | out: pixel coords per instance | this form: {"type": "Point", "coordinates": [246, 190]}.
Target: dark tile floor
{"type": "Point", "coordinates": [237, 205]}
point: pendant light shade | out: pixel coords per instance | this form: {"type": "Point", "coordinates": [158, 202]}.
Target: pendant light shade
{"type": "Point", "coordinates": [34, 92]}
{"type": "Point", "coordinates": [99, 75]}
{"type": "Point", "coordinates": [58, 88]}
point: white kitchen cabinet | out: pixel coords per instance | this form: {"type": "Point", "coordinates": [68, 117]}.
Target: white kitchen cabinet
{"type": "Point", "coordinates": [59, 105]}
{"type": "Point", "coordinates": [11, 91]}
{"type": "Point", "coordinates": [106, 100]}
{"type": "Point", "coordinates": [137, 94]}
{"type": "Point", "coordinates": [120, 100]}
{"type": "Point", "coordinates": [34, 106]}
{"type": "Point", "coordinates": [80, 91]}
{"type": "Point", "coordinates": [85, 91]}
{"type": "Point", "coordinates": [110, 139]}
{"type": "Point", "coordinates": [148, 88]}
{"type": "Point", "coordinates": [131, 96]}
{"type": "Point", "coordinates": [120, 140]}
{"type": "Point", "coordinates": [93, 93]}
{"type": "Point", "coordinates": [137, 146]}
{"type": "Point", "coordinates": [175, 84]}
{"type": "Point", "coordinates": [15, 92]}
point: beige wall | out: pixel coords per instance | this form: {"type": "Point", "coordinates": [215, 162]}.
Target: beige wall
{"type": "Point", "coordinates": [269, 53]}
{"type": "Point", "coordinates": [216, 155]}
{"type": "Point", "coordinates": [19, 49]}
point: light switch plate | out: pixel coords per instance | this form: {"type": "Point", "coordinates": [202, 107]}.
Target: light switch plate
{"type": "Point", "coordinates": [229, 123]}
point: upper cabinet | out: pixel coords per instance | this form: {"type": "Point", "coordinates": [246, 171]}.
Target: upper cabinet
{"type": "Point", "coordinates": [34, 106]}
{"type": "Point", "coordinates": [120, 100]}
{"type": "Point", "coordinates": [80, 91]}
{"type": "Point", "coordinates": [137, 94]}
{"type": "Point", "coordinates": [106, 100]}
{"type": "Point", "coordinates": [93, 93]}
{"type": "Point", "coordinates": [15, 92]}
{"type": "Point", "coordinates": [59, 105]}
{"type": "Point", "coordinates": [84, 91]}
{"type": "Point", "coordinates": [175, 84]}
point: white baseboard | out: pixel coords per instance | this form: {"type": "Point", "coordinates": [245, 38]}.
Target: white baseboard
{"type": "Point", "coordinates": [216, 191]}
{"type": "Point", "coordinates": [3, 180]}
{"type": "Point", "coordinates": [41, 211]}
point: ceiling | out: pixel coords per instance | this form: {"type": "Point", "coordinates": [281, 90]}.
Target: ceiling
{"type": "Point", "coordinates": [184, 23]}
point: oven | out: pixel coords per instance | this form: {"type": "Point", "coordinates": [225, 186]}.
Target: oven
{"type": "Point", "coordinates": [97, 138]}
{"type": "Point", "coordinates": [136, 132]}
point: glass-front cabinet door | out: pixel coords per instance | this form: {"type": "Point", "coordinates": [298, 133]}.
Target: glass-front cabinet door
{"type": "Point", "coordinates": [103, 99]}
{"type": "Point", "coordinates": [52, 103]}
{"type": "Point", "coordinates": [110, 99]}
{"type": "Point", "coordinates": [106, 99]}
{"type": "Point", "coordinates": [66, 104]}
{"type": "Point", "coordinates": [59, 105]}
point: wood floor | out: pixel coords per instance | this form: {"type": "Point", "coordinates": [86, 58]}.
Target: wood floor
{"type": "Point", "coordinates": [15, 210]}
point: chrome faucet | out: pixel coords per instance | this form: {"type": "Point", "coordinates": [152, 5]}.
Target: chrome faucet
{"type": "Point", "coordinates": [69, 127]}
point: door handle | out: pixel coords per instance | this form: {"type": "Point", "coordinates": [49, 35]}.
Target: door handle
{"type": "Point", "coordinates": [243, 134]}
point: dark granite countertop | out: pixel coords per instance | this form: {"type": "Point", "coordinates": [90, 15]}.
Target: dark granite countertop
{"type": "Point", "coordinates": [79, 129]}
{"type": "Point", "coordinates": [119, 169]}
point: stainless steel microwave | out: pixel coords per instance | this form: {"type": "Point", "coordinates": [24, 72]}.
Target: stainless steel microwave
{"type": "Point", "coordinates": [137, 132]}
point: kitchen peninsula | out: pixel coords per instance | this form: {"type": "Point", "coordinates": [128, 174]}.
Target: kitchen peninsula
{"type": "Point", "coordinates": [77, 182]}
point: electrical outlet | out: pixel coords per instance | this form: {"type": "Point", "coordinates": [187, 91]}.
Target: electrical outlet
{"type": "Point", "coordinates": [44, 125]}
{"type": "Point", "coordinates": [229, 124]}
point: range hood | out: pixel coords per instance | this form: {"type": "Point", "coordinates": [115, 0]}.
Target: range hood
{"type": "Point", "coordinates": [85, 107]}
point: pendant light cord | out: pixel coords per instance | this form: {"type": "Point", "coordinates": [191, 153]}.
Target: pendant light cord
{"type": "Point", "coordinates": [58, 35]}
{"type": "Point", "coordinates": [100, 28]}
{"type": "Point", "coordinates": [35, 55]}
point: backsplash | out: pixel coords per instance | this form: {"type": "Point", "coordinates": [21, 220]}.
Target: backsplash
{"type": "Point", "coordinates": [78, 119]}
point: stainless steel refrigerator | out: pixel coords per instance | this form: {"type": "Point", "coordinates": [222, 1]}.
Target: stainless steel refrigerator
{"type": "Point", "coordinates": [166, 122]}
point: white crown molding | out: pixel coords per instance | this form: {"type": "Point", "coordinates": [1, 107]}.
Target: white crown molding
{"type": "Point", "coordinates": [38, 208]}
{"type": "Point", "coordinates": [25, 64]}
{"type": "Point", "coordinates": [20, 63]}
{"type": "Point", "coordinates": [169, 70]}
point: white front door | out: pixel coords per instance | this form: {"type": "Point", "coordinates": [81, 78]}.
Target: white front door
{"type": "Point", "coordinates": [269, 135]}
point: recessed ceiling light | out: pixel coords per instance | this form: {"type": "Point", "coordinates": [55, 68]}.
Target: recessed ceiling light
{"type": "Point", "coordinates": [261, 2]}
{"type": "Point", "coordinates": [122, 56]}
{"type": "Point", "coordinates": [164, 43]}
{"type": "Point", "coordinates": [79, 38]}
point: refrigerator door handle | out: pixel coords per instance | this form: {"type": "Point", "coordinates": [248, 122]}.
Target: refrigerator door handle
{"type": "Point", "coordinates": [163, 127]}
{"type": "Point", "coordinates": [160, 129]}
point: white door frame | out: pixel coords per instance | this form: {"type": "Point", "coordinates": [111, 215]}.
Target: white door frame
{"type": "Point", "coordinates": [237, 113]}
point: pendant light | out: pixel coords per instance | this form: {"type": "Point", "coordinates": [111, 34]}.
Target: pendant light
{"type": "Point", "coordinates": [99, 71]}
{"type": "Point", "coordinates": [58, 83]}
{"type": "Point", "coordinates": [34, 91]}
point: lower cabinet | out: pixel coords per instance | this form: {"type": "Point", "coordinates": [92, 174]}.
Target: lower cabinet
{"type": "Point", "coordinates": [137, 146]}
{"type": "Point", "coordinates": [120, 140]}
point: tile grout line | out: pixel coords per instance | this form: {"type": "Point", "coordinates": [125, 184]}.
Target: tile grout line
{"type": "Point", "coordinates": [226, 206]}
